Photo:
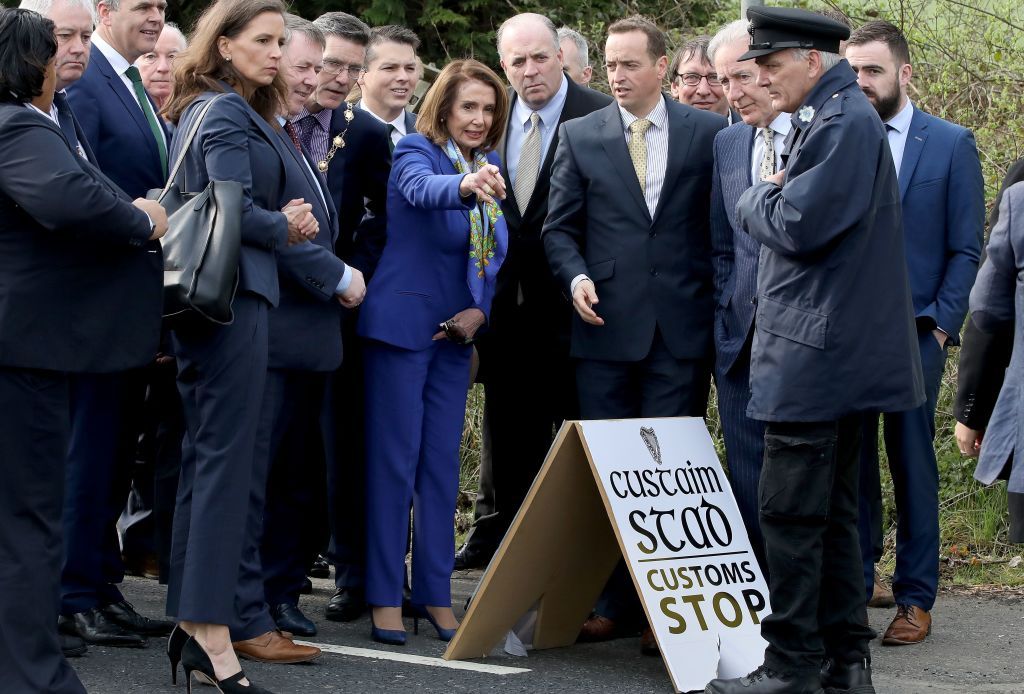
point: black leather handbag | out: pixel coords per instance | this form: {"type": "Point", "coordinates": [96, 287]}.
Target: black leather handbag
{"type": "Point", "coordinates": [202, 243]}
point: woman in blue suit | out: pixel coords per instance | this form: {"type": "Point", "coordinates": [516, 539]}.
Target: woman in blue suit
{"type": "Point", "coordinates": [431, 292]}
{"type": "Point", "coordinates": [234, 55]}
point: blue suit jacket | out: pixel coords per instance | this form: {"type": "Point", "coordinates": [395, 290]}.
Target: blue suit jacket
{"type": "Point", "coordinates": [305, 328]}
{"type": "Point", "coordinates": [235, 144]}
{"type": "Point", "coordinates": [734, 253]}
{"type": "Point", "coordinates": [996, 301]}
{"type": "Point", "coordinates": [943, 195]}
{"type": "Point", "coordinates": [80, 289]}
{"type": "Point", "coordinates": [116, 128]}
{"type": "Point", "coordinates": [421, 279]}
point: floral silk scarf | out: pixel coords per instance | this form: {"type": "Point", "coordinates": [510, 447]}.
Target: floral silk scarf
{"type": "Point", "coordinates": [486, 249]}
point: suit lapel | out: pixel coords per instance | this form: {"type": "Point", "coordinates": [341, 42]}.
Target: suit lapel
{"type": "Point", "coordinates": [126, 97]}
{"type": "Point", "coordinates": [613, 139]}
{"type": "Point", "coordinates": [917, 135]}
{"type": "Point", "coordinates": [680, 135]}
{"type": "Point", "coordinates": [510, 208]}
{"type": "Point", "coordinates": [307, 172]}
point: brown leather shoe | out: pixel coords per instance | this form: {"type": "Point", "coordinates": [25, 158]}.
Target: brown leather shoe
{"type": "Point", "coordinates": [597, 628]}
{"type": "Point", "coordinates": [649, 644]}
{"type": "Point", "coordinates": [272, 647]}
{"type": "Point", "coordinates": [881, 594]}
{"type": "Point", "coordinates": [911, 625]}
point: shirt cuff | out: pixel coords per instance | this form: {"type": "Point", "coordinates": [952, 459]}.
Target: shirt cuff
{"type": "Point", "coordinates": [575, 281]}
{"type": "Point", "coordinates": [346, 280]}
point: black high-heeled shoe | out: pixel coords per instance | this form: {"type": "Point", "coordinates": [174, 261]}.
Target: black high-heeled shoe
{"type": "Point", "coordinates": [175, 642]}
{"type": "Point", "coordinates": [196, 662]}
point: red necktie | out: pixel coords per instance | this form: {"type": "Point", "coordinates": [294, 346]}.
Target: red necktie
{"type": "Point", "coordinates": [289, 128]}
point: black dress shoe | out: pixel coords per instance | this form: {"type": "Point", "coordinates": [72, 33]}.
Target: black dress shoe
{"type": "Point", "coordinates": [346, 605]}
{"type": "Point", "coordinates": [290, 618]}
{"type": "Point", "coordinates": [92, 626]}
{"type": "Point", "coordinates": [764, 680]}
{"type": "Point", "coordinates": [320, 568]}
{"type": "Point", "coordinates": [847, 678]}
{"type": "Point", "coordinates": [307, 587]}
{"type": "Point", "coordinates": [124, 615]}
{"type": "Point", "coordinates": [72, 646]}
{"type": "Point", "coordinates": [472, 557]}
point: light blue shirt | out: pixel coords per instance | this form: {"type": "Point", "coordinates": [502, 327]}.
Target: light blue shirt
{"type": "Point", "coordinates": [519, 125]}
{"type": "Point", "coordinates": [899, 127]}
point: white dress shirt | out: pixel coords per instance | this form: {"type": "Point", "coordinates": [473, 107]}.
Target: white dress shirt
{"type": "Point", "coordinates": [519, 126]}
{"type": "Point", "coordinates": [399, 123]}
{"type": "Point", "coordinates": [781, 126]}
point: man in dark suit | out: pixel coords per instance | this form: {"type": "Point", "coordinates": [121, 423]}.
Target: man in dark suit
{"type": "Point", "coordinates": [48, 333]}
{"type": "Point", "coordinates": [528, 377]}
{"type": "Point", "coordinates": [305, 347]}
{"type": "Point", "coordinates": [129, 145]}
{"type": "Point", "coordinates": [628, 227]}
{"type": "Point", "coordinates": [834, 337]}
{"type": "Point", "coordinates": [745, 152]}
{"type": "Point", "coordinates": [351, 147]}
{"type": "Point", "coordinates": [391, 74]}
{"type": "Point", "coordinates": [943, 196]}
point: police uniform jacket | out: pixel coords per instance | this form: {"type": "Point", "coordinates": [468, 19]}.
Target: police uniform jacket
{"type": "Point", "coordinates": [834, 327]}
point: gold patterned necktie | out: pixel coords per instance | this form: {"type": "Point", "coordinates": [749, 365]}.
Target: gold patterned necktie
{"type": "Point", "coordinates": [768, 160]}
{"type": "Point", "coordinates": [529, 164]}
{"type": "Point", "coordinates": [638, 149]}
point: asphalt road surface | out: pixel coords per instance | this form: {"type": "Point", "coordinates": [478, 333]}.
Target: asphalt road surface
{"type": "Point", "coordinates": [976, 647]}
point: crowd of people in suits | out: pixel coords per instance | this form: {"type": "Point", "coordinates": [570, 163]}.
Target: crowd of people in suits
{"type": "Point", "coordinates": [784, 222]}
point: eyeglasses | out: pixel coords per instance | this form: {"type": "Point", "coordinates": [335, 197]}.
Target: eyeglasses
{"type": "Point", "coordinates": [692, 79]}
{"type": "Point", "coordinates": [333, 67]}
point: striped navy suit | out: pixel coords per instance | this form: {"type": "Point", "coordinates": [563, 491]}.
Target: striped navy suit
{"type": "Point", "coordinates": [734, 257]}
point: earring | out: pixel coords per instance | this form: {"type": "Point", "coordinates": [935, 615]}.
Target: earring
{"type": "Point", "coordinates": [227, 58]}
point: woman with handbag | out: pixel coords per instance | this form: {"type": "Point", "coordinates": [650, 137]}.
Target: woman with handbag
{"type": "Point", "coordinates": [65, 229]}
{"type": "Point", "coordinates": [232, 60]}
{"type": "Point", "coordinates": [431, 292]}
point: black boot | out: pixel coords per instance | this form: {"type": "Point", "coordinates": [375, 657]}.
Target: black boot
{"type": "Point", "coordinates": [764, 680]}
{"type": "Point", "coordinates": [847, 678]}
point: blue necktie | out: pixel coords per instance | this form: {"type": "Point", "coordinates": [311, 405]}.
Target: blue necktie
{"type": "Point", "coordinates": [67, 122]}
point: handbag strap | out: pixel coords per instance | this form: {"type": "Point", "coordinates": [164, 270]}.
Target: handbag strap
{"type": "Point", "coordinates": [173, 177]}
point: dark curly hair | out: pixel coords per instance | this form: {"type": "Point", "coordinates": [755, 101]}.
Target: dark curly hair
{"type": "Point", "coordinates": [27, 45]}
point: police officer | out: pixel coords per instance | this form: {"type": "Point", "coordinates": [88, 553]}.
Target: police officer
{"type": "Point", "coordinates": [834, 336]}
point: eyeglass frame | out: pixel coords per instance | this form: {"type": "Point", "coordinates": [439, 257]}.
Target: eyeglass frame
{"type": "Point", "coordinates": [682, 77]}
{"type": "Point", "coordinates": [354, 71]}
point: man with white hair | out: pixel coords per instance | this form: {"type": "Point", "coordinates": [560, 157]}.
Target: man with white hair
{"type": "Point", "coordinates": [745, 153]}
{"type": "Point", "coordinates": [156, 66]}
{"type": "Point", "coordinates": [575, 55]}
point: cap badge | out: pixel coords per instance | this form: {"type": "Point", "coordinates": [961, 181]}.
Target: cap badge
{"type": "Point", "coordinates": [805, 114]}
{"type": "Point", "coordinates": [750, 29]}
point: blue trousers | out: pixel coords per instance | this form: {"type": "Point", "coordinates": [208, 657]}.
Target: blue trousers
{"type": "Point", "coordinates": [744, 447]}
{"type": "Point", "coordinates": [909, 445]}
{"type": "Point", "coordinates": [415, 410]}
{"type": "Point", "coordinates": [221, 374]}
{"type": "Point", "coordinates": [34, 432]}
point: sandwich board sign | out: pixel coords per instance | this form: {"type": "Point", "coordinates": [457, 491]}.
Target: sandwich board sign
{"type": "Point", "coordinates": [651, 492]}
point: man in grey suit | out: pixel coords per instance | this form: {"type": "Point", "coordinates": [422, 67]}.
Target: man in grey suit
{"type": "Point", "coordinates": [745, 152]}
{"type": "Point", "coordinates": [391, 74]}
{"type": "Point", "coordinates": [627, 237]}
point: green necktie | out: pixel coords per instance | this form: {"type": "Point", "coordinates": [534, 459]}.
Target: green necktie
{"type": "Point", "coordinates": [140, 92]}
{"type": "Point", "coordinates": [391, 140]}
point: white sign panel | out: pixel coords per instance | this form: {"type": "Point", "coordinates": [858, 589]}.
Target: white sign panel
{"type": "Point", "coordinates": [685, 544]}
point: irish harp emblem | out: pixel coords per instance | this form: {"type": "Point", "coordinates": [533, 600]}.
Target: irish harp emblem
{"type": "Point", "coordinates": [651, 440]}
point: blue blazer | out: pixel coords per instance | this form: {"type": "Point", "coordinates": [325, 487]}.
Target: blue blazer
{"type": "Point", "coordinates": [421, 279]}
{"type": "Point", "coordinates": [734, 253]}
{"type": "Point", "coordinates": [358, 179]}
{"type": "Point", "coordinates": [116, 128]}
{"type": "Point", "coordinates": [235, 144]}
{"type": "Point", "coordinates": [996, 304]}
{"type": "Point", "coordinates": [943, 195]}
{"type": "Point", "coordinates": [305, 328]}
{"type": "Point", "coordinates": [80, 287]}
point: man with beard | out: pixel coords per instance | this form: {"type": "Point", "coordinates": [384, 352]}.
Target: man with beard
{"type": "Point", "coordinates": [943, 198]}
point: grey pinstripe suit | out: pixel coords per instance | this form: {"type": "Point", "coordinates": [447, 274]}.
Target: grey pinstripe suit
{"type": "Point", "coordinates": [734, 257]}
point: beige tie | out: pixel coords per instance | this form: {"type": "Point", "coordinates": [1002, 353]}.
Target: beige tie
{"type": "Point", "coordinates": [638, 149]}
{"type": "Point", "coordinates": [768, 161]}
{"type": "Point", "coordinates": [529, 164]}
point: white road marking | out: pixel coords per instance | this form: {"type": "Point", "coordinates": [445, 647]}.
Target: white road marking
{"type": "Point", "coordinates": [416, 659]}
